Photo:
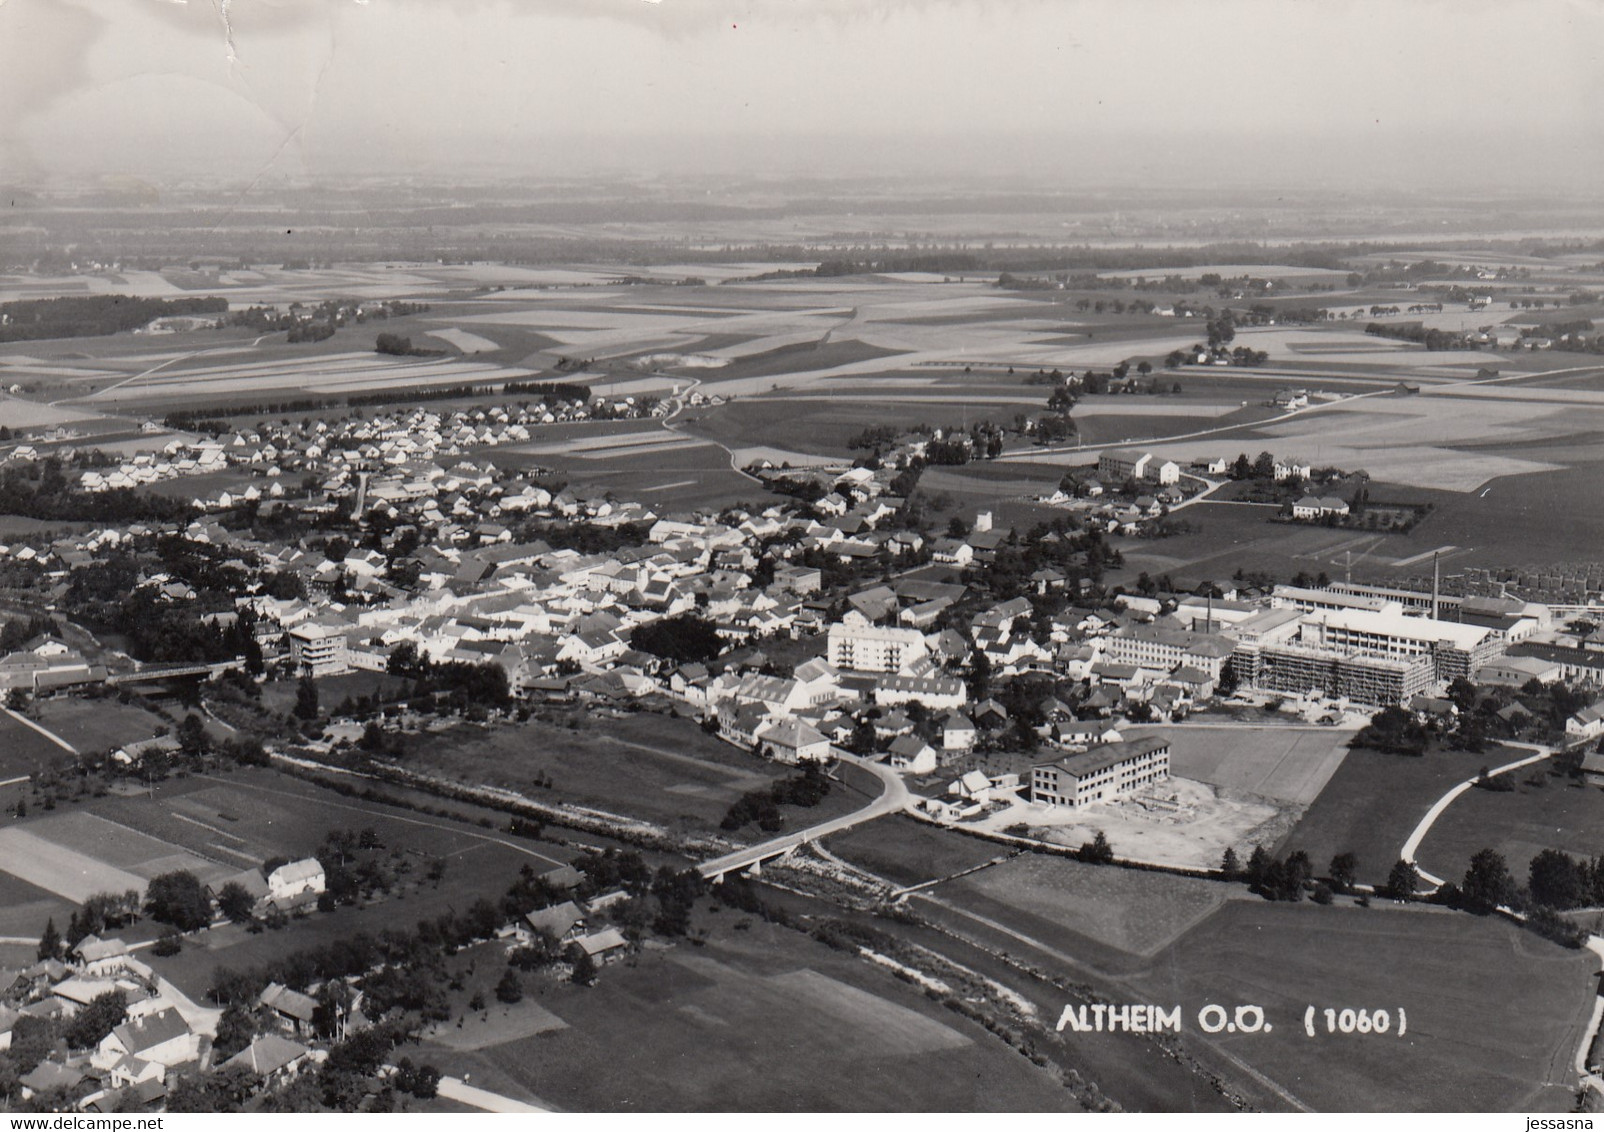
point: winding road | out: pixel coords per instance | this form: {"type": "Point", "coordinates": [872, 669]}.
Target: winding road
{"type": "Point", "coordinates": [1412, 845]}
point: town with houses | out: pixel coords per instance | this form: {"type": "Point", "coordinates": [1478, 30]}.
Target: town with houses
{"type": "Point", "coordinates": [988, 671]}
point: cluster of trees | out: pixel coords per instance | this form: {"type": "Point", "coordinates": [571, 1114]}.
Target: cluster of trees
{"type": "Point", "coordinates": [42, 491]}
{"type": "Point", "coordinates": [548, 391]}
{"type": "Point", "coordinates": [465, 684]}
{"type": "Point", "coordinates": [18, 631]}
{"type": "Point", "coordinates": [806, 790]}
{"type": "Point", "coordinates": [400, 346]}
{"type": "Point", "coordinates": [1395, 730]}
{"type": "Point", "coordinates": [685, 639]}
{"type": "Point", "coordinates": [1429, 337]}
{"type": "Point", "coordinates": [178, 898]}
{"type": "Point", "coordinates": [82, 316]}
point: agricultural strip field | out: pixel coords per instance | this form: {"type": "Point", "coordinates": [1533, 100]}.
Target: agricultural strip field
{"type": "Point", "coordinates": [1560, 814]}
{"type": "Point", "coordinates": [1494, 1013]}
{"type": "Point", "coordinates": [125, 847]}
{"type": "Point", "coordinates": [1284, 764]}
{"type": "Point", "coordinates": [669, 475]}
{"type": "Point", "coordinates": [777, 1021]}
{"type": "Point", "coordinates": [1373, 802]}
{"type": "Point", "coordinates": [25, 908]}
{"type": "Point", "coordinates": [648, 766]}
{"type": "Point", "coordinates": [252, 815]}
{"type": "Point", "coordinates": [72, 875]}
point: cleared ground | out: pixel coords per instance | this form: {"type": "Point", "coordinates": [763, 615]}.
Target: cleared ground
{"type": "Point", "coordinates": [1175, 822]}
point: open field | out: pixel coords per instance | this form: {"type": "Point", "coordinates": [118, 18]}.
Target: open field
{"type": "Point", "coordinates": [1374, 800]}
{"type": "Point", "coordinates": [23, 751]}
{"type": "Point", "coordinates": [645, 765]}
{"type": "Point", "coordinates": [1561, 814]}
{"type": "Point", "coordinates": [123, 847]}
{"type": "Point", "coordinates": [97, 725]}
{"type": "Point", "coordinates": [907, 851]}
{"type": "Point", "coordinates": [252, 815]}
{"type": "Point", "coordinates": [25, 908]}
{"type": "Point", "coordinates": [777, 1021]}
{"type": "Point", "coordinates": [1136, 913]}
{"type": "Point", "coordinates": [1456, 978]}
{"type": "Point", "coordinates": [1283, 764]}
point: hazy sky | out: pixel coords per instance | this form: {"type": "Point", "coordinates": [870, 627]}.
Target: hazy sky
{"type": "Point", "coordinates": [1298, 92]}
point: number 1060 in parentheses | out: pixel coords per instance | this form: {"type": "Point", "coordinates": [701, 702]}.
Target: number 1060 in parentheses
{"type": "Point", "coordinates": [1350, 1021]}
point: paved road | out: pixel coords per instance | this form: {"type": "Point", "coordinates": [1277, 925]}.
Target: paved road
{"type": "Point", "coordinates": [894, 798]}
{"type": "Point", "coordinates": [1412, 846]}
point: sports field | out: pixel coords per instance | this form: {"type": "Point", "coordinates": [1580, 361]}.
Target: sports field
{"type": "Point", "coordinates": [1494, 1013]}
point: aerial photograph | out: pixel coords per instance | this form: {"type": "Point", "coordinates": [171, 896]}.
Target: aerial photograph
{"type": "Point", "coordinates": [741, 556]}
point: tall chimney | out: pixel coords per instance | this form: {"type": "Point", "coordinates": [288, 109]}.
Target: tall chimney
{"type": "Point", "coordinates": [1436, 585]}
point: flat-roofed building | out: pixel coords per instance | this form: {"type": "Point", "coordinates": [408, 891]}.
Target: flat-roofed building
{"type": "Point", "coordinates": [1101, 774]}
{"type": "Point", "coordinates": [321, 650]}
{"type": "Point", "coordinates": [1154, 646]}
{"type": "Point", "coordinates": [1311, 600]}
{"type": "Point", "coordinates": [1455, 649]}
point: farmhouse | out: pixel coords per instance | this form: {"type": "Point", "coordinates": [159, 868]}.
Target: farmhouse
{"type": "Point", "coordinates": [562, 920]}
{"type": "Point", "coordinates": [1587, 723]}
{"type": "Point", "coordinates": [271, 1057]}
{"type": "Point", "coordinates": [1318, 507]}
{"type": "Point", "coordinates": [292, 1010]}
{"type": "Point", "coordinates": [291, 884]}
{"type": "Point", "coordinates": [162, 1038]}
{"type": "Point", "coordinates": [1101, 774]}
{"type": "Point", "coordinates": [791, 741]}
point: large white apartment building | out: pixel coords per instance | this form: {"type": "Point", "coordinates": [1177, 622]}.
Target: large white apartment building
{"type": "Point", "coordinates": [320, 650]}
{"type": "Point", "coordinates": [858, 645]}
